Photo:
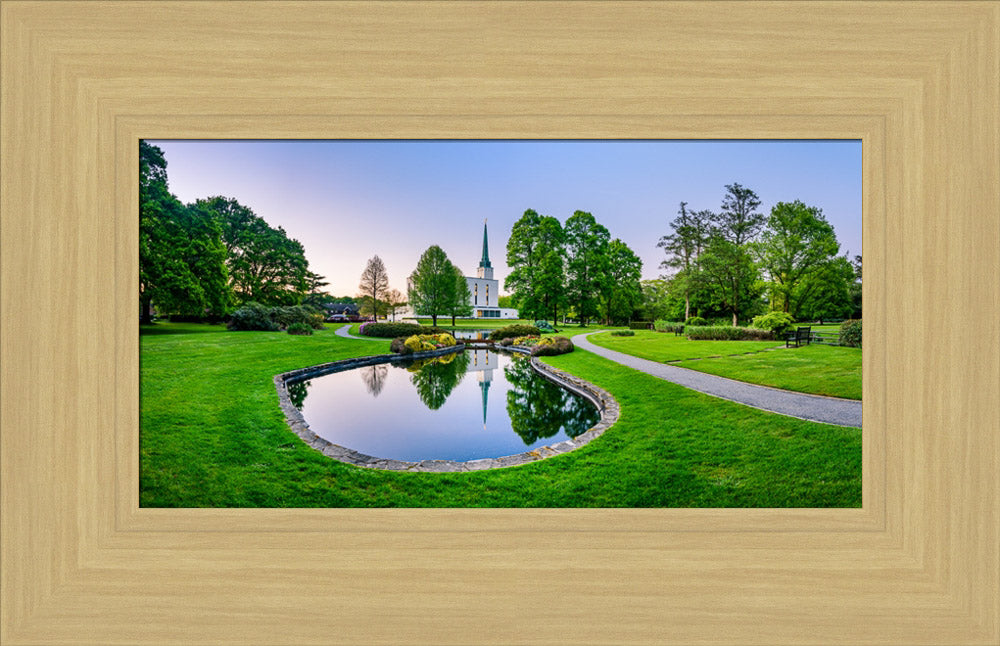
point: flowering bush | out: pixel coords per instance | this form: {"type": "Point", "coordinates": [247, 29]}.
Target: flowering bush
{"type": "Point", "coordinates": [421, 343]}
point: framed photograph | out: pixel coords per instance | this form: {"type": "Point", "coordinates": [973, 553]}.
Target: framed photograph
{"type": "Point", "coordinates": [85, 562]}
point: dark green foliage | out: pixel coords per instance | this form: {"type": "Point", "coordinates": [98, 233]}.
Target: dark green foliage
{"type": "Point", "coordinates": [695, 320]}
{"type": "Point", "coordinates": [535, 255]}
{"type": "Point", "coordinates": [552, 346]}
{"type": "Point", "coordinates": [252, 317]}
{"type": "Point", "coordinates": [727, 333]}
{"type": "Point", "coordinates": [512, 331]}
{"type": "Point", "coordinates": [640, 325]}
{"type": "Point", "coordinates": [623, 333]}
{"type": "Point", "coordinates": [392, 330]}
{"type": "Point", "coordinates": [265, 265]}
{"type": "Point", "coordinates": [181, 255]}
{"type": "Point", "coordinates": [850, 333]}
{"type": "Point", "coordinates": [777, 322]}
{"type": "Point", "coordinates": [302, 329]}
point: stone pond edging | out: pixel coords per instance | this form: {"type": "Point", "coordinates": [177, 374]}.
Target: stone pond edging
{"type": "Point", "coordinates": [600, 398]}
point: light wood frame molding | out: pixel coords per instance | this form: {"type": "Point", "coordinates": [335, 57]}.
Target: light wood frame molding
{"type": "Point", "coordinates": [919, 83]}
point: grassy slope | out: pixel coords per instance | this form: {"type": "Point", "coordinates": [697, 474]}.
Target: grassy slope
{"type": "Point", "coordinates": [815, 369]}
{"type": "Point", "coordinates": [212, 435]}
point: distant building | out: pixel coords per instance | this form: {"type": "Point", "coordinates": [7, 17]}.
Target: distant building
{"type": "Point", "coordinates": [484, 290]}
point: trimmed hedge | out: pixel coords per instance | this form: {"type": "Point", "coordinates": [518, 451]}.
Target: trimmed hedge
{"type": "Point", "coordinates": [696, 320]}
{"type": "Point", "coordinates": [668, 326]}
{"type": "Point", "coordinates": [850, 333]}
{"type": "Point", "coordinates": [727, 333]}
{"type": "Point", "coordinates": [623, 333]}
{"type": "Point", "coordinates": [392, 330]}
{"type": "Point", "coordinates": [513, 331]}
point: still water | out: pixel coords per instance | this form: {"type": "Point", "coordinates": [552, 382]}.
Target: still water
{"type": "Point", "coordinates": [463, 406]}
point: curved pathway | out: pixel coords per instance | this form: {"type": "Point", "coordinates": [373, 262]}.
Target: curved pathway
{"type": "Point", "coordinates": [815, 408]}
{"type": "Point", "coordinates": [345, 332]}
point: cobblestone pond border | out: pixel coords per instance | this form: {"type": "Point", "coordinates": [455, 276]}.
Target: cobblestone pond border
{"type": "Point", "coordinates": [600, 398]}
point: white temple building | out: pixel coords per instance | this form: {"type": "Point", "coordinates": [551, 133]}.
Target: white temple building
{"type": "Point", "coordinates": [484, 290]}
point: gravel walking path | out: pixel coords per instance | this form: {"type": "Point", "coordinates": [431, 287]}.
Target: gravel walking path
{"type": "Point", "coordinates": [816, 408]}
{"type": "Point", "coordinates": [345, 332]}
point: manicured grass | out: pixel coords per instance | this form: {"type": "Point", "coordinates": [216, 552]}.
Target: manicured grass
{"type": "Point", "coordinates": [818, 369]}
{"type": "Point", "coordinates": [666, 346]}
{"type": "Point", "coordinates": [212, 435]}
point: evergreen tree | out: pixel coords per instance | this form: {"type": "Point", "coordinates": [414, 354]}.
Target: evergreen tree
{"type": "Point", "coordinates": [587, 264]}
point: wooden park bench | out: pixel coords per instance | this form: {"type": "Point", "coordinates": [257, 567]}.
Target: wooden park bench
{"type": "Point", "coordinates": [798, 337]}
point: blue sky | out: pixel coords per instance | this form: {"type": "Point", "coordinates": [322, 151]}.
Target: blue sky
{"type": "Point", "coordinates": [347, 201]}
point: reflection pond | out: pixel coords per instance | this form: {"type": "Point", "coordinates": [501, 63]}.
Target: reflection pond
{"type": "Point", "coordinates": [463, 406]}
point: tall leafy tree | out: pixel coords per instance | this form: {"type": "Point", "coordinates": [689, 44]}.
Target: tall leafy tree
{"type": "Point", "coordinates": [535, 255]}
{"type": "Point", "coordinates": [683, 247]}
{"type": "Point", "coordinates": [431, 286]}
{"type": "Point", "coordinates": [461, 302]}
{"type": "Point", "coordinates": [264, 264]}
{"type": "Point", "coordinates": [730, 270]}
{"type": "Point", "coordinates": [738, 221]}
{"type": "Point", "coordinates": [622, 289]}
{"type": "Point", "coordinates": [587, 264]}
{"type": "Point", "coordinates": [374, 283]}
{"type": "Point", "coordinates": [826, 293]}
{"type": "Point", "coordinates": [181, 257]}
{"type": "Point", "coordinates": [797, 244]}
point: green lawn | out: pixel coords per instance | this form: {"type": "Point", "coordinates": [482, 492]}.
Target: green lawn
{"type": "Point", "coordinates": [666, 346]}
{"type": "Point", "coordinates": [212, 435]}
{"type": "Point", "coordinates": [815, 369]}
{"type": "Point", "coordinates": [818, 369]}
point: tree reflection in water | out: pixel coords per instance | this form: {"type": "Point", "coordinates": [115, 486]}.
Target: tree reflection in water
{"type": "Point", "coordinates": [539, 408]}
{"type": "Point", "coordinates": [436, 377]}
{"type": "Point", "coordinates": [374, 378]}
{"type": "Point", "coordinates": [297, 392]}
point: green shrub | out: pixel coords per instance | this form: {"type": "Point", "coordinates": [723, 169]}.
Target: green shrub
{"type": "Point", "coordinates": [551, 346]}
{"type": "Point", "coordinates": [303, 329]}
{"type": "Point", "coordinates": [623, 333]}
{"type": "Point", "coordinates": [695, 320]}
{"type": "Point", "coordinates": [252, 316]}
{"type": "Point", "coordinates": [777, 322]}
{"type": "Point", "coordinates": [727, 333]}
{"type": "Point", "coordinates": [850, 333]}
{"type": "Point", "coordinates": [640, 325]}
{"type": "Point", "coordinates": [668, 326]}
{"type": "Point", "coordinates": [513, 331]}
{"type": "Point", "coordinates": [391, 330]}
{"type": "Point", "coordinates": [289, 314]}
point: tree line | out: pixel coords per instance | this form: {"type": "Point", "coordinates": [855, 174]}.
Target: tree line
{"type": "Point", "coordinates": [206, 258]}
{"type": "Point", "coordinates": [738, 262]}
{"type": "Point", "coordinates": [575, 270]}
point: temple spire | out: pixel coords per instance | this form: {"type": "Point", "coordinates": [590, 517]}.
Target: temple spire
{"type": "Point", "coordinates": [485, 262]}
{"type": "Point", "coordinates": [485, 269]}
